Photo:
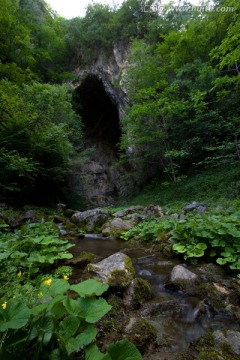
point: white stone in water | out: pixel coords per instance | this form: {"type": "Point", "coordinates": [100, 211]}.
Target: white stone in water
{"type": "Point", "coordinates": [106, 267]}
{"type": "Point", "coordinates": [180, 273]}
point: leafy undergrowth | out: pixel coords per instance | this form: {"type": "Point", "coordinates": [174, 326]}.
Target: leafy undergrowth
{"type": "Point", "coordinates": [217, 187]}
{"type": "Point", "coordinates": [42, 316]}
{"type": "Point", "coordinates": [212, 237]}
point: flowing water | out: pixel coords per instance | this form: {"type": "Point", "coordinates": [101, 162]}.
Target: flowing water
{"type": "Point", "coordinates": [178, 317]}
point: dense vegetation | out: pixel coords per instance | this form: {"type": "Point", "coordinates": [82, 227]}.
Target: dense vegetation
{"type": "Point", "coordinates": [39, 316]}
{"type": "Point", "coordinates": [183, 125]}
{"type": "Point", "coordinates": [183, 83]}
{"type": "Point", "coordinates": [184, 87]}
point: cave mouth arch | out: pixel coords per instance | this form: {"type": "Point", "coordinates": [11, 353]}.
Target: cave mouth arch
{"type": "Point", "coordinates": [99, 114]}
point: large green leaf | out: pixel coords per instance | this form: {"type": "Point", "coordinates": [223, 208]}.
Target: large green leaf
{"type": "Point", "coordinates": [93, 309]}
{"type": "Point", "coordinates": [93, 353]}
{"type": "Point", "coordinates": [179, 248]}
{"type": "Point", "coordinates": [83, 339]}
{"type": "Point", "coordinates": [69, 326]}
{"type": "Point", "coordinates": [124, 350]}
{"type": "Point", "coordinates": [57, 287]}
{"type": "Point", "coordinates": [90, 287]}
{"type": "Point", "coordinates": [5, 255]}
{"type": "Point", "coordinates": [47, 305]}
{"type": "Point", "coordinates": [15, 315]}
{"type": "Point", "coordinates": [72, 306]}
{"type": "Point", "coordinates": [42, 329]}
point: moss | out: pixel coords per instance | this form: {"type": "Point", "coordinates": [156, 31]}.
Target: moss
{"type": "Point", "coordinates": [211, 355]}
{"type": "Point", "coordinates": [119, 278]}
{"type": "Point", "coordinates": [71, 228]}
{"type": "Point", "coordinates": [117, 304]}
{"type": "Point", "coordinates": [207, 290]}
{"type": "Point", "coordinates": [164, 247]}
{"type": "Point", "coordinates": [86, 258]}
{"type": "Point", "coordinates": [90, 268]}
{"type": "Point", "coordinates": [205, 346]}
{"type": "Point", "coordinates": [142, 290]}
{"type": "Point", "coordinates": [111, 326]}
{"type": "Point", "coordinates": [129, 266]}
{"type": "Point", "coordinates": [142, 334]}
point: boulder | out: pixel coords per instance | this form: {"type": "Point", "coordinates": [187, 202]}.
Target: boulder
{"type": "Point", "coordinates": [228, 338]}
{"type": "Point", "coordinates": [91, 220]}
{"type": "Point", "coordinates": [117, 226]}
{"type": "Point", "coordinates": [138, 291]}
{"type": "Point", "coordinates": [116, 270]}
{"type": "Point", "coordinates": [153, 210]}
{"type": "Point", "coordinates": [200, 208]}
{"type": "Point", "coordinates": [130, 210]}
{"type": "Point", "coordinates": [181, 274]}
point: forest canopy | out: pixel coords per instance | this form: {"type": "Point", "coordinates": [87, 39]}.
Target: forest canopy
{"type": "Point", "coordinates": [182, 81]}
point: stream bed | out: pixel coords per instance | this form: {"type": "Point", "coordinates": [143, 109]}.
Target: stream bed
{"type": "Point", "coordinates": [178, 316]}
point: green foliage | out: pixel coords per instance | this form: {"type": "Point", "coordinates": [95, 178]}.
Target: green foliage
{"type": "Point", "coordinates": [55, 322]}
{"type": "Point", "coordinates": [121, 350]}
{"type": "Point", "coordinates": [28, 251]}
{"type": "Point", "coordinates": [58, 325]}
{"type": "Point", "coordinates": [37, 131]}
{"type": "Point", "coordinates": [184, 97]}
{"type": "Point", "coordinates": [210, 236]}
{"type": "Point", "coordinates": [147, 230]}
{"type": "Point", "coordinates": [43, 316]}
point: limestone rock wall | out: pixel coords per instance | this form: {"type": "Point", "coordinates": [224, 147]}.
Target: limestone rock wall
{"type": "Point", "coordinates": [98, 179]}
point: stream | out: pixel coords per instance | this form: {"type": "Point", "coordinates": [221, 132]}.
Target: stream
{"type": "Point", "coordinates": [178, 317]}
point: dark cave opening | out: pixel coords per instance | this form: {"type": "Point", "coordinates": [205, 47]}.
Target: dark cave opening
{"type": "Point", "coordinates": [99, 114]}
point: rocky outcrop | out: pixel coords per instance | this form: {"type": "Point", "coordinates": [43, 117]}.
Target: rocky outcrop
{"type": "Point", "coordinates": [91, 220]}
{"type": "Point", "coordinates": [230, 339]}
{"type": "Point", "coordinates": [180, 273]}
{"type": "Point", "coordinates": [102, 102]}
{"type": "Point", "coordinates": [116, 227]}
{"type": "Point", "coordinates": [199, 208]}
{"type": "Point", "coordinates": [113, 223]}
{"type": "Point", "coordinates": [110, 69]}
{"type": "Point", "coordinates": [116, 270]}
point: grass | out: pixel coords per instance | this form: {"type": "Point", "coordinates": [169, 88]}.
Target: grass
{"type": "Point", "coordinates": [218, 187]}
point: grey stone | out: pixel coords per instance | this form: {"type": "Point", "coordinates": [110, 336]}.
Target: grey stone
{"type": "Point", "coordinates": [116, 227]}
{"type": "Point", "coordinates": [180, 273]}
{"type": "Point", "coordinates": [230, 337]}
{"type": "Point", "coordinates": [91, 219]}
{"type": "Point", "coordinates": [200, 208]}
{"type": "Point", "coordinates": [130, 210]}
{"type": "Point", "coordinates": [154, 210]}
{"type": "Point", "coordinates": [116, 264]}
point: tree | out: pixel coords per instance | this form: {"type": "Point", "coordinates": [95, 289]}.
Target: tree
{"type": "Point", "coordinates": [37, 129]}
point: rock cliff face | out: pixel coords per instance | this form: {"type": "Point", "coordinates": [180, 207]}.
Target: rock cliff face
{"type": "Point", "coordinates": [101, 101]}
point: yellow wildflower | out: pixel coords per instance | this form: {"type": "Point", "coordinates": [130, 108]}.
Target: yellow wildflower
{"type": "Point", "coordinates": [19, 274]}
{"type": "Point", "coordinates": [14, 297]}
{"type": "Point", "coordinates": [65, 277]}
{"type": "Point", "coordinates": [4, 305]}
{"type": "Point", "coordinates": [40, 294]}
{"type": "Point", "coordinates": [47, 282]}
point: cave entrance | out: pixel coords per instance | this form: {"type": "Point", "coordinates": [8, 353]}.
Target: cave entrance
{"type": "Point", "coordinates": [96, 177]}
{"type": "Point", "coordinates": [99, 114]}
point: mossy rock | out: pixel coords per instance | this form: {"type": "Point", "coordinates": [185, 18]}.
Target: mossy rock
{"type": "Point", "coordinates": [142, 334]}
{"type": "Point", "coordinates": [71, 228]}
{"type": "Point", "coordinates": [116, 270]}
{"type": "Point", "coordinates": [119, 278]}
{"type": "Point", "coordinates": [111, 326]}
{"type": "Point", "coordinates": [83, 259]}
{"type": "Point", "coordinates": [138, 291]}
{"type": "Point", "coordinates": [142, 290]}
{"type": "Point", "coordinates": [207, 290]}
{"type": "Point", "coordinates": [207, 349]}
